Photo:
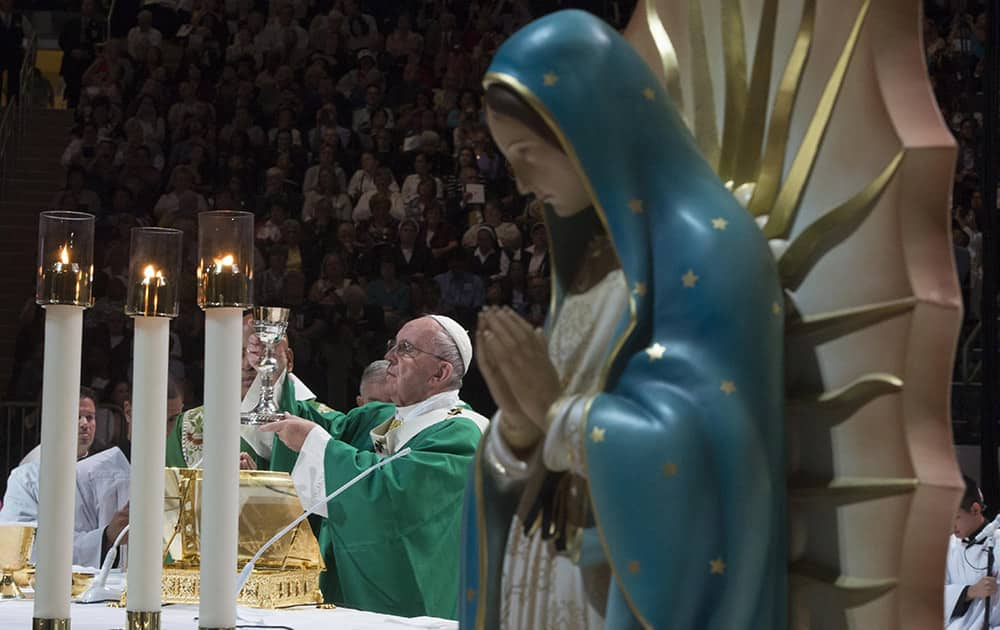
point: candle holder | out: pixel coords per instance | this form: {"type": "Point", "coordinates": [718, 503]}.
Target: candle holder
{"type": "Point", "coordinates": [225, 283]}
{"type": "Point", "coordinates": [225, 259]}
{"type": "Point", "coordinates": [269, 324]}
{"type": "Point", "coordinates": [154, 271]}
{"type": "Point", "coordinates": [63, 288]}
{"type": "Point", "coordinates": [65, 258]}
{"type": "Point", "coordinates": [152, 299]}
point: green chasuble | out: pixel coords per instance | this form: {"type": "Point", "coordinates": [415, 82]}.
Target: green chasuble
{"type": "Point", "coordinates": [390, 542]}
{"type": "Point", "coordinates": [184, 443]}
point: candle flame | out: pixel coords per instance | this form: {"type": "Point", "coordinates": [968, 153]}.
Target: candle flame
{"type": "Point", "coordinates": [64, 255]}
{"type": "Point", "coordinates": [226, 262]}
{"type": "Point", "coordinates": [150, 271]}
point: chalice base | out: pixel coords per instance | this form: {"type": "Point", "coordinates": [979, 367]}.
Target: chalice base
{"type": "Point", "coordinates": [257, 418]}
{"type": "Point", "coordinates": [9, 588]}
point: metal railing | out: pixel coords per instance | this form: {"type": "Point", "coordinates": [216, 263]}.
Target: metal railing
{"type": "Point", "coordinates": [12, 119]}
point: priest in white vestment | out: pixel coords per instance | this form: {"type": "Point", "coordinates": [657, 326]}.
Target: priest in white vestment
{"type": "Point", "coordinates": [20, 501]}
{"type": "Point", "coordinates": [970, 581]}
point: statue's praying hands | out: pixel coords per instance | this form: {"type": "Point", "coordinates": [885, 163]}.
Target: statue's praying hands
{"type": "Point", "coordinates": [514, 360]}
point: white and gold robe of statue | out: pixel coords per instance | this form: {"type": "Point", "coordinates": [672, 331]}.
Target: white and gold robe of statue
{"type": "Point", "coordinates": [541, 588]}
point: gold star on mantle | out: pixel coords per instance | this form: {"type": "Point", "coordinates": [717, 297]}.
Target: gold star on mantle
{"type": "Point", "coordinates": [635, 205]}
{"type": "Point", "coordinates": [633, 567]}
{"type": "Point", "coordinates": [720, 223]}
{"type": "Point", "coordinates": [717, 566]}
{"type": "Point", "coordinates": [597, 435]}
{"type": "Point", "coordinates": [776, 308]}
{"type": "Point", "coordinates": [648, 94]}
{"type": "Point", "coordinates": [669, 469]}
{"type": "Point", "coordinates": [689, 279]}
{"type": "Point", "coordinates": [640, 289]}
{"type": "Point", "coordinates": [550, 79]}
{"type": "Point", "coordinates": [728, 387]}
{"type": "Point", "coordinates": [655, 351]}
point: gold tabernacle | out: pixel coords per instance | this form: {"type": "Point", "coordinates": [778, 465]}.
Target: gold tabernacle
{"type": "Point", "coordinates": [286, 575]}
{"type": "Point", "coordinates": [143, 620]}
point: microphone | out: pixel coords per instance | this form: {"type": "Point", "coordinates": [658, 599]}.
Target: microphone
{"type": "Point", "coordinates": [98, 590]}
{"type": "Point", "coordinates": [248, 568]}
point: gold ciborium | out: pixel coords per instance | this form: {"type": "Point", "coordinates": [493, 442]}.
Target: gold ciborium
{"type": "Point", "coordinates": [15, 551]}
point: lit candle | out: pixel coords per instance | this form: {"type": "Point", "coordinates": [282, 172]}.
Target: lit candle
{"type": "Point", "coordinates": [153, 287]}
{"type": "Point", "coordinates": [63, 282]}
{"type": "Point", "coordinates": [222, 283]}
{"type": "Point", "coordinates": [152, 301]}
{"type": "Point", "coordinates": [225, 280]}
{"type": "Point", "coordinates": [62, 288]}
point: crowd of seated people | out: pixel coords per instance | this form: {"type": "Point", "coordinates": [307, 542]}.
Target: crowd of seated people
{"type": "Point", "coordinates": [955, 43]}
{"type": "Point", "coordinates": [356, 137]}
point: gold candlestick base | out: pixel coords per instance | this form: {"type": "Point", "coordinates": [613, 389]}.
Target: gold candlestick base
{"type": "Point", "coordinates": [49, 624]}
{"type": "Point", "coordinates": [143, 620]}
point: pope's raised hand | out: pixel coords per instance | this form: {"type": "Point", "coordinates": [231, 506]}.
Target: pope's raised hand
{"type": "Point", "coordinates": [292, 430]}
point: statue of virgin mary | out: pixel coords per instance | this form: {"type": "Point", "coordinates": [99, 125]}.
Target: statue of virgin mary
{"type": "Point", "coordinates": [635, 473]}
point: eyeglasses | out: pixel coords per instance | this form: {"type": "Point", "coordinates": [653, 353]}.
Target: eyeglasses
{"type": "Point", "coordinates": [404, 348]}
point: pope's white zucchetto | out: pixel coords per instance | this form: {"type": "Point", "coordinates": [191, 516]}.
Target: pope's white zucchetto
{"type": "Point", "coordinates": [460, 336]}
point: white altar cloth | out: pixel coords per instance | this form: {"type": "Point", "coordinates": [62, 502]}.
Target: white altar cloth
{"type": "Point", "coordinates": [17, 614]}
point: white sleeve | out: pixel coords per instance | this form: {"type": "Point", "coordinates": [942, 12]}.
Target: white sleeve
{"type": "Point", "coordinates": [952, 593]}
{"type": "Point", "coordinates": [563, 448]}
{"type": "Point", "coordinates": [20, 502]}
{"type": "Point", "coordinates": [259, 441]}
{"type": "Point", "coordinates": [309, 475]}
{"type": "Point", "coordinates": [501, 459]}
{"type": "Point", "coordinates": [87, 535]}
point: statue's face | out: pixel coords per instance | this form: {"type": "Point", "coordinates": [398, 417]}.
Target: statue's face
{"type": "Point", "coordinates": [540, 167]}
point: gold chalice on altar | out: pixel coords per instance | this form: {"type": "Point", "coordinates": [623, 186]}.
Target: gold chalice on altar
{"type": "Point", "coordinates": [269, 324]}
{"type": "Point", "coordinates": [15, 551]}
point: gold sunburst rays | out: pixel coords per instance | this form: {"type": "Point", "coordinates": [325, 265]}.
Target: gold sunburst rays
{"type": "Point", "coordinates": [836, 405]}
{"type": "Point", "coordinates": [706, 132]}
{"type": "Point", "coordinates": [747, 153]}
{"type": "Point", "coordinates": [847, 490]}
{"type": "Point", "coordinates": [832, 228]}
{"type": "Point", "coordinates": [735, 76]}
{"type": "Point", "coordinates": [820, 327]}
{"type": "Point", "coordinates": [772, 163]}
{"type": "Point", "coordinates": [853, 590]}
{"type": "Point", "coordinates": [789, 198]}
{"type": "Point", "coordinates": [665, 48]}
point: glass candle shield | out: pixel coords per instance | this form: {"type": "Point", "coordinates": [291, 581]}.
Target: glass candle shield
{"type": "Point", "coordinates": [153, 273]}
{"type": "Point", "coordinates": [65, 258]}
{"type": "Point", "coordinates": [225, 259]}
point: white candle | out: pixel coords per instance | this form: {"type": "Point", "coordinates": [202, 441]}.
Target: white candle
{"type": "Point", "coordinates": [221, 475]}
{"type": "Point", "coordinates": [57, 470]}
{"type": "Point", "coordinates": [149, 413]}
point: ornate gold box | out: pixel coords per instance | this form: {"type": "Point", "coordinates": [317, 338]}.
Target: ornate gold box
{"type": "Point", "coordinates": [286, 575]}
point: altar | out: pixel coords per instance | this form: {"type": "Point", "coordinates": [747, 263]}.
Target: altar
{"type": "Point", "coordinates": [18, 614]}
